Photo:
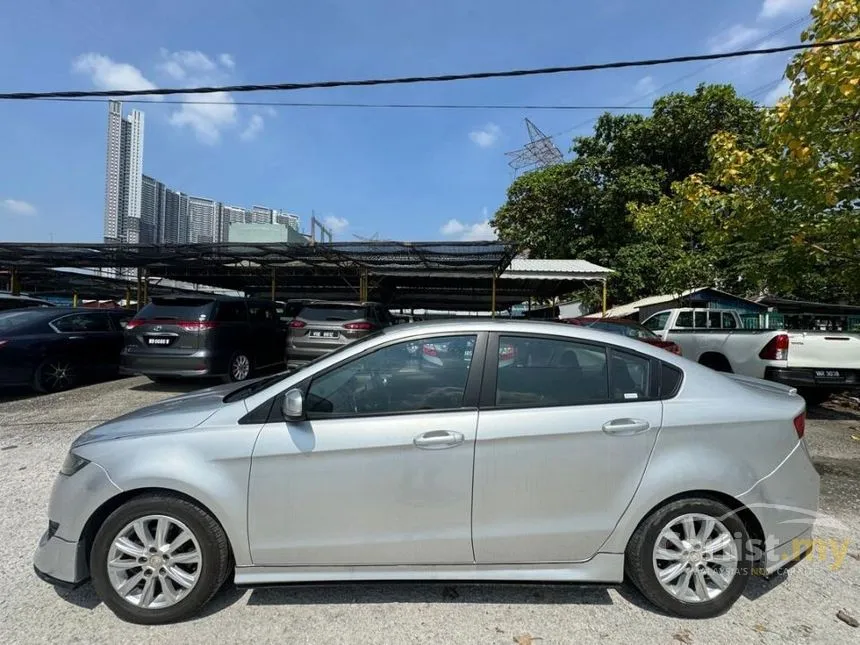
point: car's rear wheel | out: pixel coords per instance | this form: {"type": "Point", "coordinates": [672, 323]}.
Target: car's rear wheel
{"type": "Point", "coordinates": [690, 559]}
{"type": "Point", "coordinates": [55, 375]}
{"type": "Point", "coordinates": [239, 368]}
{"type": "Point", "coordinates": [158, 559]}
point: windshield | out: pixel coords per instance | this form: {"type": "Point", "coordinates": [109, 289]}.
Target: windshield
{"type": "Point", "coordinates": [13, 320]}
{"type": "Point", "coordinates": [631, 331]}
{"type": "Point", "coordinates": [258, 386]}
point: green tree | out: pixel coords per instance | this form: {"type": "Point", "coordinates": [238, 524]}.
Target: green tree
{"type": "Point", "coordinates": [789, 205]}
{"type": "Point", "coordinates": [579, 209]}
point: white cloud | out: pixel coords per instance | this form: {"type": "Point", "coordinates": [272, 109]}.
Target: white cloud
{"type": "Point", "coordinates": [468, 232]}
{"type": "Point", "coordinates": [182, 64]}
{"type": "Point", "coordinates": [776, 8]}
{"type": "Point", "coordinates": [17, 207]}
{"type": "Point", "coordinates": [254, 127]}
{"type": "Point", "coordinates": [735, 37]}
{"type": "Point", "coordinates": [207, 120]}
{"type": "Point", "coordinates": [269, 111]}
{"type": "Point", "coordinates": [107, 74]}
{"type": "Point", "coordinates": [336, 224]}
{"type": "Point", "coordinates": [227, 61]}
{"type": "Point", "coordinates": [645, 86]}
{"type": "Point", "coordinates": [781, 90]}
{"type": "Point", "coordinates": [486, 136]}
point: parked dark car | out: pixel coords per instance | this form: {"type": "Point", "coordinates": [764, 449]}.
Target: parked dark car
{"type": "Point", "coordinates": [9, 302]}
{"type": "Point", "coordinates": [194, 336]}
{"type": "Point", "coordinates": [625, 327]}
{"type": "Point", "coordinates": [56, 348]}
{"type": "Point", "coordinates": [322, 326]}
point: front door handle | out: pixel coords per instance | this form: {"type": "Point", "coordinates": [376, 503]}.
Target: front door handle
{"type": "Point", "coordinates": [438, 439]}
{"type": "Point", "coordinates": [625, 426]}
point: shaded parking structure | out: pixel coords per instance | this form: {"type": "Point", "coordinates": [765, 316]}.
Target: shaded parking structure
{"type": "Point", "coordinates": [462, 276]}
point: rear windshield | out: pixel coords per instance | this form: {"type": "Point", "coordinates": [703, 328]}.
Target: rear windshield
{"type": "Point", "coordinates": [333, 313]}
{"type": "Point", "coordinates": [13, 320]}
{"type": "Point", "coordinates": [177, 309]}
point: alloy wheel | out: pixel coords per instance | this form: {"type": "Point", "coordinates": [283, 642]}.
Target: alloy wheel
{"type": "Point", "coordinates": [240, 368]}
{"type": "Point", "coordinates": [154, 562]}
{"type": "Point", "coordinates": [57, 375]}
{"type": "Point", "coordinates": [695, 558]}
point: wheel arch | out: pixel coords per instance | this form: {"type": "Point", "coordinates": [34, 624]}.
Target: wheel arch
{"type": "Point", "coordinates": [98, 517]}
{"type": "Point", "coordinates": [716, 361]}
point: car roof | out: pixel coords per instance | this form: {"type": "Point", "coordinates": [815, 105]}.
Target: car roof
{"type": "Point", "coordinates": [339, 303]}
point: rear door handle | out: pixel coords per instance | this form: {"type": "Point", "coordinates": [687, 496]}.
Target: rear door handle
{"type": "Point", "coordinates": [438, 440]}
{"type": "Point", "coordinates": [625, 426]}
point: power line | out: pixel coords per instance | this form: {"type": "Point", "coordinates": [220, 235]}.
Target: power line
{"type": "Point", "coordinates": [432, 106]}
{"type": "Point", "coordinates": [695, 72]}
{"type": "Point", "coordinates": [283, 87]}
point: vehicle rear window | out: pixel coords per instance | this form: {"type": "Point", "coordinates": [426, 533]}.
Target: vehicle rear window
{"type": "Point", "coordinates": [177, 309]}
{"type": "Point", "coordinates": [333, 313]}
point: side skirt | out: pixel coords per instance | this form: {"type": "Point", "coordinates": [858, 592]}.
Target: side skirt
{"type": "Point", "coordinates": [603, 567]}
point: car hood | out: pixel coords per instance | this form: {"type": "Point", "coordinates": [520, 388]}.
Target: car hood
{"type": "Point", "coordinates": [171, 415]}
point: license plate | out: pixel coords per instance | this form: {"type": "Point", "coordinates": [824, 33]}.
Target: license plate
{"type": "Point", "coordinates": [827, 373]}
{"type": "Point", "coordinates": [158, 341]}
{"type": "Point", "coordinates": [323, 334]}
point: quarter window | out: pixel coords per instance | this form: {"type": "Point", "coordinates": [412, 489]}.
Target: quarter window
{"type": "Point", "coordinates": [543, 372]}
{"type": "Point", "coordinates": [414, 376]}
{"type": "Point", "coordinates": [629, 376]}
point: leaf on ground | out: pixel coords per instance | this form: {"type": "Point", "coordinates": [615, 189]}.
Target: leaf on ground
{"type": "Point", "coordinates": [760, 628]}
{"type": "Point", "coordinates": [526, 639]}
{"type": "Point", "coordinates": [683, 636]}
{"type": "Point", "coordinates": [847, 618]}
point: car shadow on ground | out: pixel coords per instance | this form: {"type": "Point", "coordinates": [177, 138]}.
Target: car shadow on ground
{"type": "Point", "coordinates": [176, 387]}
{"type": "Point", "coordinates": [831, 412]}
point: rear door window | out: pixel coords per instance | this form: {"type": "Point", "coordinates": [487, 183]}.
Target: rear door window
{"type": "Point", "coordinates": [231, 312]}
{"type": "Point", "coordinates": [81, 323]}
{"type": "Point", "coordinates": [332, 313]}
{"type": "Point", "coordinates": [685, 320]}
{"type": "Point", "coordinates": [701, 320]}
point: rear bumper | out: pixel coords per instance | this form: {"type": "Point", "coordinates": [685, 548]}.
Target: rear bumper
{"type": "Point", "coordinates": [814, 377]}
{"type": "Point", "coordinates": [201, 363]}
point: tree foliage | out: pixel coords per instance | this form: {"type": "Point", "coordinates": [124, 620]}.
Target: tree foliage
{"type": "Point", "coordinates": [579, 209]}
{"type": "Point", "coordinates": [787, 208]}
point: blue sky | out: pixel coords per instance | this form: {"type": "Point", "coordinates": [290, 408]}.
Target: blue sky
{"type": "Point", "coordinates": [401, 174]}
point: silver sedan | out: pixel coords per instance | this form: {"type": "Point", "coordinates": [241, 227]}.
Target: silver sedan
{"type": "Point", "coordinates": [545, 452]}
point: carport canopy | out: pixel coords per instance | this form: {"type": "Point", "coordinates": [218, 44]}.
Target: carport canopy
{"type": "Point", "coordinates": [464, 276]}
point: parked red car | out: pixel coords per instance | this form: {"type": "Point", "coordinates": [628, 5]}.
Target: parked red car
{"type": "Point", "coordinates": [624, 327]}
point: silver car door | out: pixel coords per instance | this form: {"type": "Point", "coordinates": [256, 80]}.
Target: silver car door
{"type": "Point", "coordinates": [564, 434]}
{"type": "Point", "coordinates": [379, 474]}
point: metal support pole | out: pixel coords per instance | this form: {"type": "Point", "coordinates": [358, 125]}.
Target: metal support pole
{"type": "Point", "coordinates": [493, 306]}
{"type": "Point", "coordinates": [273, 285]}
{"type": "Point", "coordinates": [74, 298]}
{"type": "Point", "coordinates": [604, 297]}
{"type": "Point", "coordinates": [128, 297]}
{"type": "Point", "coordinates": [14, 283]}
{"type": "Point", "coordinates": [362, 284]}
{"type": "Point", "coordinates": [145, 286]}
{"type": "Point", "coordinates": [139, 288]}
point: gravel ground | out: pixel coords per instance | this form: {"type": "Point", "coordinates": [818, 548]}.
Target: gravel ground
{"type": "Point", "coordinates": [35, 433]}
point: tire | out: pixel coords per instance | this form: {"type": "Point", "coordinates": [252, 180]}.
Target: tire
{"type": "Point", "coordinates": [208, 572]}
{"type": "Point", "coordinates": [641, 563]}
{"type": "Point", "coordinates": [55, 374]}
{"type": "Point", "coordinates": [239, 368]}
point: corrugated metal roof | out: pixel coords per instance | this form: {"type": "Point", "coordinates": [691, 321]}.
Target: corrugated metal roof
{"type": "Point", "coordinates": [522, 268]}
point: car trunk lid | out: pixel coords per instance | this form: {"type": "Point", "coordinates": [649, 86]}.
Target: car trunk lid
{"type": "Point", "coordinates": [825, 350]}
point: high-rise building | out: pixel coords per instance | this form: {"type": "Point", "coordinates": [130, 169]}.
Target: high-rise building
{"type": "Point", "coordinates": [230, 215]}
{"type": "Point", "coordinates": [152, 211]}
{"type": "Point", "coordinates": [123, 175]}
{"type": "Point", "coordinates": [175, 228]}
{"type": "Point", "coordinates": [203, 220]}
{"type": "Point", "coordinates": [287, 219]}
{"type": "Point", "coordinates": [260, 215]}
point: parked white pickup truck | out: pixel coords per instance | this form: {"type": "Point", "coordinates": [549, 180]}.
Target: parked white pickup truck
{"type": "Point", "coordinates": [817, 363]}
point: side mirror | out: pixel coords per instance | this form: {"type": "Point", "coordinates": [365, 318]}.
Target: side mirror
{"type": "Point", "coordinates": [293, 406]}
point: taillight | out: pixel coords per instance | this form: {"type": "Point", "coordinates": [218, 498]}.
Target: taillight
{"type": "Point", "coordinates": [674, 348]}
{"type": "Point", "coordinates": [196, 325]}
{"type": "Point", "coordinates": [297, 324]}
{"type": "Point", "coordinates": [3, 342]}
{"type": "Point", "coordinates": [800, 424]}
{"type": "Point", "coordinates": [429, 350]}
{"type": "Point", "coordinates": [131, 324]}
{"type": "Point", "coordinates": [360, 326]}
{"type": "Point", "coordinates": [776, 349]}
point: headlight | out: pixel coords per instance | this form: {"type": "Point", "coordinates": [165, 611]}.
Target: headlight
{"type": "Point", "coordinates": [72, 464]}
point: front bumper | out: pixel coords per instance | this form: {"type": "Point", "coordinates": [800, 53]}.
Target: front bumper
{"type": "Point", "coordinates": [60, 563]}
{"type": "Point", "coordinates": [814, 377]}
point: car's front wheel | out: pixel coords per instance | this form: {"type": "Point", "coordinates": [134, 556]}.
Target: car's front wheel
{"type": "Point", "coordinates": [690, 559]}
{"type": "Point", "coordinates": [158, 559]}
{"type": "Point", "coordinates": [55, 375]}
